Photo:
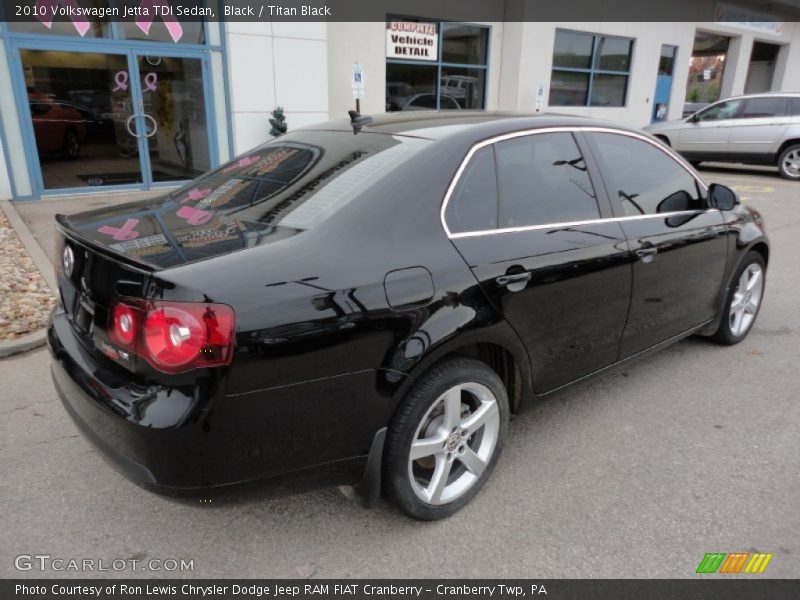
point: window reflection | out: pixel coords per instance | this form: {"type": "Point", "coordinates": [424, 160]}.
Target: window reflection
{"type": "Point", "coordinates": [543, 179]}
{"type": "Point", "coordinates": [80, 104]}
{"type": "Point", "coordinates": [272, 192]}
{"type": "Point", "coordinates": [646, 180]}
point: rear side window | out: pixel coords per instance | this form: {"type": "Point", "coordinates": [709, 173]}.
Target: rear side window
{"type": "Point", "coordinates": [720, 111]}
{"type": "Point", "coordinates": [645, 179]}
{"type": "Point", "coordinates": [794, 107]}
{"type": "Point", "coordinates": [473, 204]}
{"type": "Point", "coordinates": [763, 107]}
{"type": "Point", "coordinates": [543, 179]}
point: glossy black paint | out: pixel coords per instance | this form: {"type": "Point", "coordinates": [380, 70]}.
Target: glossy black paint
{"type": "Point", "coordinates": [336, 322]}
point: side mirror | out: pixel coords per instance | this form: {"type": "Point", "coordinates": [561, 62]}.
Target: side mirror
{"type": "Point", "coordinates": [722, 197]}
{"type": "Point", "coordinates": [694, 118]}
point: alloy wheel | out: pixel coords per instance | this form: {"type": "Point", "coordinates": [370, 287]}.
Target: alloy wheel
{"type": "Point", "coordinates": [791, 163]}
{"type": "Point", "coordinates": [746, 299]}
{"type": "Point", "coordinates": [72, 146]}
{"type": "Point", "coordinates": [454, 443]}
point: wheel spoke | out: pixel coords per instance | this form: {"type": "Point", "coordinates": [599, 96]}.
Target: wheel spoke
{"type": "Point", "coordinates": [472, 461]}
{"type": "Point", "coordinates": [438, 480]}
{"type": "Point", "coordinates": [452, 408]}
{"type": "Point", "coordinates": [736, 303]}
{"type": "Point", "coordinates": [751, 307]}
{"type": "Point", "coordinates": [754, 280]}
{"type": "Point", "coordinates": [736, 326]}
{"type": "Point", "coordinates": [744, 279]}
{"type": "Point", "coordinates": [427, 447]}
{"type": "Point", "coordinates": [478, 419]}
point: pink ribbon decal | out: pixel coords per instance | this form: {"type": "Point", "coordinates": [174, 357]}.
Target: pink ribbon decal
{"type": "Point", "coordinates": [148, 13]}
{"type": "Point", "coordinates": [150, 81]}
{"type": "Point", "coordinates": [121, 79]}
{"type": "Point", "coordinates": [46, 8]}
{"type": "Point", "coordinates": [124, 233]}
{"type": "Point", "coordinates": [197, 194]}
{"type": "Point", "coordinates": [242, 163]}
{"type": "Point", "coordinates": [194, 216]}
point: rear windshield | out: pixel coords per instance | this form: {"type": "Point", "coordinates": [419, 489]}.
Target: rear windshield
{"type": "Point", "coordinates": [287, 186]}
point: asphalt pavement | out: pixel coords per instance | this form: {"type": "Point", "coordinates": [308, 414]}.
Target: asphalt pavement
{"type": "Point", "coordinates": [635, 473]}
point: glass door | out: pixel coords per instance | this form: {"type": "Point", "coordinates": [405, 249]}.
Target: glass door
{"type": "Point", "coordinates": [82, 118]}
{"type": "Point", "coordinates": [112, 119]}
{"type": "Point", "coordinates": [173, 117]}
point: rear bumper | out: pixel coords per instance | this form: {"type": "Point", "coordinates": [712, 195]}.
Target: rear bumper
{"type": "Point", "coordinates": [187, 439]}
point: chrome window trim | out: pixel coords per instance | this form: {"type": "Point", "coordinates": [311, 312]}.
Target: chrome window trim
{"type": "Point", "coordinates": [564, 129]}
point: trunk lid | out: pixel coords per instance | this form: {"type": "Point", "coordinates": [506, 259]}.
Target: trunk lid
{"type": "Point", "coordinates": [89, 279]}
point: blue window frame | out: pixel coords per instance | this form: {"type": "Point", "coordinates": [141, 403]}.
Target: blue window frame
{"type": "Point", "coordinates": [455, 80]}
{"type": "Point", "coordinates": [205, 38]}
{"type": "Point", "coordinates": [590, 69]}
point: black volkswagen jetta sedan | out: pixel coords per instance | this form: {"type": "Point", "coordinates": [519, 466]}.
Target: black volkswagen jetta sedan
{"type": "Point", "coordinates": [365, 302]}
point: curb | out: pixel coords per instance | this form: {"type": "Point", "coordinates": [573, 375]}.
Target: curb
{"type": "Point", "coordinates": [26, 342]}
{"type": "Point", "coordinates": [39, 258]}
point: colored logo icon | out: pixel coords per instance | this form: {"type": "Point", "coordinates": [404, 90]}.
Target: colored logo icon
{"type": "Point", "coordinates": [734, 562]}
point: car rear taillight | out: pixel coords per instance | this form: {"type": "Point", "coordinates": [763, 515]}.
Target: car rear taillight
{"type": "Point", "coordinates": [174, 336]}
{"type": "Point", "coordinates": [123, 327]}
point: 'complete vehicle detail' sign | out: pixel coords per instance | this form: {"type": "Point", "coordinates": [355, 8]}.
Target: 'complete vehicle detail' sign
{"type": "Point", "coordinates": [412, 41]}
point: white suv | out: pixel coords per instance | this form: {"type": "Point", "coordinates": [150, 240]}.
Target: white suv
{"type": "Point", "coordinates": [757, 129]}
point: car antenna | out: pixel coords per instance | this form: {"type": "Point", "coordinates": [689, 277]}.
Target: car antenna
{"type": "Point", "coordinates": [358, 121]}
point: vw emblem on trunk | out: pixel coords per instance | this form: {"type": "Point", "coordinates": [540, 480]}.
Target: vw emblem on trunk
{"type": "Point", "coordinates": [69, 261]}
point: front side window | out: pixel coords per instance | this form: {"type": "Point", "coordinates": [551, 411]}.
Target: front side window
{"type": "Point", "coordinates": [644, 179]}
{"type": "Point", "coordinates": [590, 70]}
{"type": "Point", "coordinates": [756, 108]}
{"type": "Point", "coordinates": [720, 111]}
{"type": "Point", "coordinates": [473, 204]}
{"type": "Point", "coordinates": [543, 179]}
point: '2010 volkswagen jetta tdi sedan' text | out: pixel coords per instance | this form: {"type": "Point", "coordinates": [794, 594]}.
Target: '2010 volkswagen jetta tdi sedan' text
{"type": "Point", "coordinates": [365, 302]}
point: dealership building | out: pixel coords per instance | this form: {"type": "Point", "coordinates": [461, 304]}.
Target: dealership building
{"type": "Point", "coordinates": [89, 106]}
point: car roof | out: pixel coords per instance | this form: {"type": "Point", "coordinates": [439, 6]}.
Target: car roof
{"type": "Point", "coordinates": [437, 125]}
{"type": "Point", "coordinates": [761, 95]}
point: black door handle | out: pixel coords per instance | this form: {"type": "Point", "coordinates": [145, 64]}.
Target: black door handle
{"type": "Point", "coordinates": [514, 281]}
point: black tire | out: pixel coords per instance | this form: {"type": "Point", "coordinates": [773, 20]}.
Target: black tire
{"type": "Point", "coordinates": [409, 418]}
{"type": "Point", "coordinates": [724, 334]}
{"type": "Point", "coordinates": [72, 147]}
{"type": "Point", "coordinates": [782, 167]}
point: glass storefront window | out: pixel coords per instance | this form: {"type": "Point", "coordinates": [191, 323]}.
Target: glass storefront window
{"type": "Point", "coordinates": [464, 44]}
{"type": "Point", "coordinates": [573, 50]}
{"type": "Point", "coordinates": [462, 87]}
{"type": "Point", "coordinates": [78, 26]}
{"type": "Point", "coordinates": [87, 132]}
{"type": "Point", "coordinates": [455, 80]}
{"type": "Point", "coordinates": [170, 31]}
{"type": "Point", "coordinates": [612, 54]}
{"type": "Point", "coordinates": [172, 94]}
{"type": "Point", "coordinates": [410, 87]}
{"type": "Point", "coordinates": [589, 69]}
{"type": "Point", "coordinates": [80, 104]}
{"type": "Point", "coordinates": [608, 90]}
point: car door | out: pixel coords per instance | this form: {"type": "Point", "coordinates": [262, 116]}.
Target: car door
{"type": "Point", "coordinates": [678, 244]}
{"type": "Point", "coordinates": [527, 218]}
{"type": "Point", "coordinates": [758, 127]}
{"type": "Point", "coordinates": [705, 135]}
